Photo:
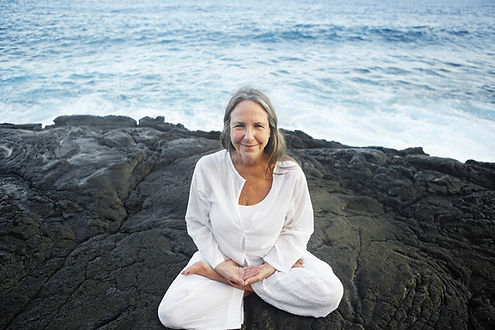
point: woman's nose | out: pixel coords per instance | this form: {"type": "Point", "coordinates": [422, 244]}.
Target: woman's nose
{"type": "Point", "coordinates": [248, 134]}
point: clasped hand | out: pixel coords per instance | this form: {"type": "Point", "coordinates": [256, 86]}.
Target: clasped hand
{"type": "Point", "coordinates": [244, 276]}
{"type": "Point", "coordinates": [241, 276]}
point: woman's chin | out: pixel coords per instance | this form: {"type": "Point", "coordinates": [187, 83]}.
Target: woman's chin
{"type": "Point", "coordinates": [250, 156]}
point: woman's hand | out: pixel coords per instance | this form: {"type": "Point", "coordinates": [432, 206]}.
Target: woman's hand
{"type": "Point", "coordinates": [264, 271]}
{"type": "Point", "coordinates": [245, 276]}
{"type": "Point", "coordinates": [235, 274]}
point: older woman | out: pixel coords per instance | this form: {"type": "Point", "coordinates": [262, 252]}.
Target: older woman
{"type": "Point", "coordinates": [250, 216]}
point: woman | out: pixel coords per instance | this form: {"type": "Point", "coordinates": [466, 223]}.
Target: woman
{"type": "Point", "coordinates": [250, 216]}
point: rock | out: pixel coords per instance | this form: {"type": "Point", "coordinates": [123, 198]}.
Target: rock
{"type": "Point", "coordinates": [88, 120]}
{"type": "Point", "coordinates": [29, 127]}
{"type": "Point", "coordinates": [298, 139]}
{"type": "Point", "coordinates": [92, 229]}
{"type": "Point", "coordinates": [150, 122]}
{"type": "Point", "coordinates": [158, 123]}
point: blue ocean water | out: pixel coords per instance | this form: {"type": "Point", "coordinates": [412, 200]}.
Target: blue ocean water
{"type": "Point", "coordinates": [362, 72]}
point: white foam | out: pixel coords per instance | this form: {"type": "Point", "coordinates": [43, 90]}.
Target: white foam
{"type": "Point", "coordinates": [460, 136]}
{"type": "Point", "coordinates": [7, 150]}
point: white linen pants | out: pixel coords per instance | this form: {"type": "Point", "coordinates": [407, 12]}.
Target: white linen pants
{"type": "Point", "coordinates": [196, 302]}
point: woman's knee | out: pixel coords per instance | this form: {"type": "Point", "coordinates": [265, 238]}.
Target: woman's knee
{"type": "Point", "coordinates": [330, 287]}
{"type": "Point", "coordinates": [332, 295]}
{"type": "Point", "coordinates": [337, 294]}
{"type": "Point", "coordinates": [168, 314]}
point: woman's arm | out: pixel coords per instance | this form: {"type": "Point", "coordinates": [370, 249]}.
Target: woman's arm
{"type": "Point", "coordinates": [288, 249]}
{"type": "Point", "coordinates": [198, 220]}
{"type": "Point", "coordinates": [297, 229]}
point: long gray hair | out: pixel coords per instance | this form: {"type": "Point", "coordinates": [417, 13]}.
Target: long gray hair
{"type": "Point", "coordinates": [276, 148]}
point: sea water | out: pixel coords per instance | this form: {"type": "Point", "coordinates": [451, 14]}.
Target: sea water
{"type": "Point", "coordinates": [393, 73]}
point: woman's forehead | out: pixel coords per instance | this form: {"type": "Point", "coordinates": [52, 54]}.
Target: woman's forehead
{"type": "Point", "coordinates": [249, 110]}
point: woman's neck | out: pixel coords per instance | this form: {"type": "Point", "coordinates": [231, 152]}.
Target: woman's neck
{"type": "Point", "coordinates": [248, 167]}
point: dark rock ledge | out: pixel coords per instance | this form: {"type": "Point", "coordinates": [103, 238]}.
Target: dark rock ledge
{"type": "Point", "coordinates": [92, 229]}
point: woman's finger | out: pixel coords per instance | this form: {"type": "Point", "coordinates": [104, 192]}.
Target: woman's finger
{"type": "Point", "coordinates": [299, 263]}
{"type": "Point", "coordinates": [250, 271]}
{"type": "Point", "coordinates": [236, 283]}
{"type": "Point", "coordinates": [265, 271]}
{"type": "Point", "coordinates": [260, 276]}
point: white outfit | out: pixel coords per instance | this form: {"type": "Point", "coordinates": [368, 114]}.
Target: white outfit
{"type": "Point", "coordinates": [276, 231]}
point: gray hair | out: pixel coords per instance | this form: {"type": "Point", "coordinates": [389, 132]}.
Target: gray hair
{"type": "Point", "coordinates": [276, 148]}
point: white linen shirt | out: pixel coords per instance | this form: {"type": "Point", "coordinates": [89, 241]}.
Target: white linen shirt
{"type": "Point", "coordinates": [279, 230]}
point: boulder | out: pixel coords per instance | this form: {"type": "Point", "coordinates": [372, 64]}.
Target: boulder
{"type": "Point", "coordinates": [95, 121]}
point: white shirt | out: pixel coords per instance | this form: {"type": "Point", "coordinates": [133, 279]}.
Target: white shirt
{"type": "Point", "coordinates": [247, 212]}
{"type": "Point", "coordinates": [277, 232]}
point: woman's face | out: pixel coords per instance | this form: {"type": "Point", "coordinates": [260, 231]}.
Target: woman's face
{"type": "Point", "coordinates": [249, 130]}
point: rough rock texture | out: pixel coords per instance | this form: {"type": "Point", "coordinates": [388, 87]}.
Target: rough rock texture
{"type": "Point", "coordinates": [30, 127]}
{"type": "Point", "coordinates": [92, 230]}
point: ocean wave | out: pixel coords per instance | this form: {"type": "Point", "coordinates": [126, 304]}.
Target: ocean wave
{"type": "Point", "coordinates": [322, 34]}
{"type": "Point", "coordinates": [345, 34]}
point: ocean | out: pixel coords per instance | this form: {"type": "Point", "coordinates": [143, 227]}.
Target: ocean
{"type": "Point", "coordinates": [386, 73]}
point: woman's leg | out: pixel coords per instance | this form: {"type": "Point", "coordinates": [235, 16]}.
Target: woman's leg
{"type": "Point", "coordinates": [311, 290]}
{"type": "Point", "coordinates": [195, 301]}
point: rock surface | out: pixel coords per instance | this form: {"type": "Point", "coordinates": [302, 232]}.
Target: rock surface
{"type": "Point", "coordinates": [92, 229]}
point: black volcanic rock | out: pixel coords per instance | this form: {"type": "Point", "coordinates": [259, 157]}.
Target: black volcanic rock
{"type": "Point", "coordinates": [31, 127]}
{"type": "Point", "coordinates": [92, 229]}
{"type": "Point", "coordinates": [88, 120]}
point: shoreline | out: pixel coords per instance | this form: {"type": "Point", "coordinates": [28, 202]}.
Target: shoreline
{"type": "Point", "coordinates": [159, 123]}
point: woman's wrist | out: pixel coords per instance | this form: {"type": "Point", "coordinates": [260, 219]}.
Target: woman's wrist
{"type": "Point", "coordinates": [269, 268]}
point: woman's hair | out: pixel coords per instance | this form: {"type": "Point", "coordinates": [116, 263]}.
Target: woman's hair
{"type": "Point", "coordinates": [276, 148]}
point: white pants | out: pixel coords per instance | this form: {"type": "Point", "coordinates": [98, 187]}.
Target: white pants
{"type": "Point", "coordinates": [196, 302]}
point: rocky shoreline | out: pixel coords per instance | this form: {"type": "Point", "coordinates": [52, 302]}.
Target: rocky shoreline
{"type": "Point", "coordinates": [92, 229]}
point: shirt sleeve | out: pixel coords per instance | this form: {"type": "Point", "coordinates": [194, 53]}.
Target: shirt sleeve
{"type": "Point", "coordinates": [296, 231]}
{"type": "Point", "coordinates": [198, 220]}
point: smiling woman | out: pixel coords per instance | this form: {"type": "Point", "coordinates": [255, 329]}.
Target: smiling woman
{"type": "Point", "coordinates": [249, 100]}
{"type": "Point", "coordinates": [249, 132]}
{"type": "Point", "coordinates": [250, 215]}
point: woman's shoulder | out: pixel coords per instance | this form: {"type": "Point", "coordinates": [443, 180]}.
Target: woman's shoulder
{"type": "Point", "coordinates": [289, 167]}
{"type": "Point", "coordinates": [212, 160]}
